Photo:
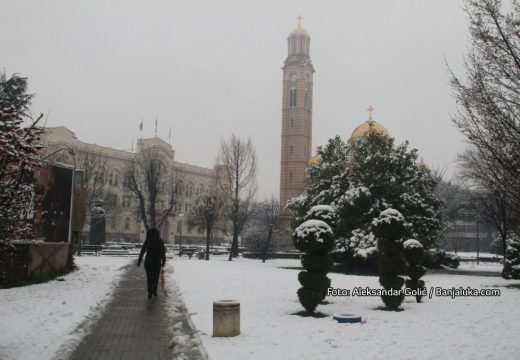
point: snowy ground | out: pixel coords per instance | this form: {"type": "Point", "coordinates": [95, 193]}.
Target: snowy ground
{"type": "Point", "coordinates": [438, 328]}
{"type": "Point", "coordinates": [36, 320]}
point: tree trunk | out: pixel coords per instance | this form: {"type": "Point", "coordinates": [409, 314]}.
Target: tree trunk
{"type": "Point", "coordinates": [234, 247]}
{"type": "Point", "coordinates": [266, 245]}
{"type": "Point", "coordinates": [208, 237]}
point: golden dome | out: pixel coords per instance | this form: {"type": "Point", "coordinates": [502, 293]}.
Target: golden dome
{"type": "Point", "coordinates": [315, 160]}
{"type": "Point", "coordinates": [362, 129]}
{"type": "Point", "coordinates": [422, 165]}
{"type": "Point", "coordinates": [299, 31]}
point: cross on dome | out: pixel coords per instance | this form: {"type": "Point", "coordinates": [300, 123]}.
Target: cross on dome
{"type": "Point", "coordinates": [299, 18]}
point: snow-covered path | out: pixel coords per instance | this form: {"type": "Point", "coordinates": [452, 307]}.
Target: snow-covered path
{"type": "Point", "coordinates": [36, 320]}
{"type": "Point", "coordinates": [438, 328]}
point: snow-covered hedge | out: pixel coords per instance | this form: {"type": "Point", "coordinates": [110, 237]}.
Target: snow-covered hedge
{"type": "Point", "coordinates": [313, 236]}
{"type": "Point", "coordinates": [315, 239]}
{"type": "Point", "coordinates": [413, 253]}
{"type": "Point", "coordinates": [389, 229]}
{"type": "Point", "coordinates": [324, 213]}
{"type": "Point", "coordinates": [389, 225]}
{"type": "Point", "coordinates": [512, 265]}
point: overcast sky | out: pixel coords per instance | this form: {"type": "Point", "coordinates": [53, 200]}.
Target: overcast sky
{"type": "Point", "coordinates": [212, 68]}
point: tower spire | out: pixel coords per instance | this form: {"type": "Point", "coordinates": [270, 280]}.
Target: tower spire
{"type": "Point", "coordinates": [299, 18]}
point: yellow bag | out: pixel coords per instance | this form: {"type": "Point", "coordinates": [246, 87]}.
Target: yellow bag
{"type": "Point", "coordinates": [163, 281]}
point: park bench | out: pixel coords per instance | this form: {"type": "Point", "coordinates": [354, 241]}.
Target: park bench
{"type": "Point", "coordinates": [187, 251]}
{"type": "Point", "coordinates": [88, 248]}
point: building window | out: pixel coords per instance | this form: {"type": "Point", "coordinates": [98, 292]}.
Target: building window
{"type": "Point", "coordinates": [200, 190]}
{"type": "Point", "coordinates": [189, 190]}
{"type": "Point", "coordinates": [127, 224]}
{"type": "Point", "coordinates": [306, 99]}
{"type": "Point", "coordinates": [115, 180]}
{"type": "Point", "coordinates": [290, 177]}
{"type": "Point", "coordinates": [110, 179]}
{"type": "Point", "coordinates": [292, 97]}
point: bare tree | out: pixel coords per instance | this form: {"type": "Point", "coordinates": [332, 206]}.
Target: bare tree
{"type": "Point", "coordinates": [237, 176]}
{"type": "Point", "coordinates": [204, 214]}
{"type": "Point", "coordinates": [156, 189]}
{"type": "Point", "coordinates": [492, 204]}
{"type": "Point", "coordinates": [260, 230]}
{"type": "Point", "coordinates": [94, 166]}
{"type": "Point", "coordinates": [488, 100]}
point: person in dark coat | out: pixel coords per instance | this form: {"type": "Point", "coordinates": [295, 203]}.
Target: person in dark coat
{"type": "Point", "coordinates": [154, 260]}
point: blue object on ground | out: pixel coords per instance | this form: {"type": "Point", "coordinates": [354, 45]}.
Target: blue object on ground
{"type": "Point", "coordinates": [347, 318]}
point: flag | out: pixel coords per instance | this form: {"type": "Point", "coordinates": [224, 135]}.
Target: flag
{"type": "Point", "coordinates": [170, 135]}
{"type": "Point", "coordinates": [141, 125]}
{"type": "Point", "coordinates": [156, 126]}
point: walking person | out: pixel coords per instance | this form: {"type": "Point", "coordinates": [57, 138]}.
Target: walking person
{"type": "Point", "coordinates": [155, 258]}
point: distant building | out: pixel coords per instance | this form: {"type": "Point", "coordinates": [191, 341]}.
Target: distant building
{"type": "Point", "coordinates": [468, 236]}
{"type": "Point", "coordinates": [123, 222]}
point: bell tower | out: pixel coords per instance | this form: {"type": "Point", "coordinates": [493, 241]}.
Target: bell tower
{"type": "Point", "coordinates": [296, 114]}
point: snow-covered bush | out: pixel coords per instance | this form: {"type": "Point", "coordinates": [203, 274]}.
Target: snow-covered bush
{"type": "Point", "coordinates": [315, 239]}
{"type": "Point", "coordinates": [313, 236]}
{"type": "Point", "coordinates": [363, 178]}
{"type": "Point", "coordinates": [413, 253]}
{"type": "Point", "coordinates": [512, 263]}
{"type": "Point", "coordinates": [324, 213]}
{"type": "Point", "coordinates": [389, 228]}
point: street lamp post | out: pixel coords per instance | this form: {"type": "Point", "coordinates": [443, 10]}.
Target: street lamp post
{"type": "Point", "coordinates": [180, 231]}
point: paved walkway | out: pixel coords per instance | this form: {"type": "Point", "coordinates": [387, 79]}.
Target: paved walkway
{"type": "Point", "coordinates": [135, 327]}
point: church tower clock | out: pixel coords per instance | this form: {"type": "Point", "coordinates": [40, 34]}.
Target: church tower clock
{"type": "Point", "coordinates": [296, 115]}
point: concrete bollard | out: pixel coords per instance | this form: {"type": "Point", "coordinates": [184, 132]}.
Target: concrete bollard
{"type": "Point", "coordinates": [226, 318]}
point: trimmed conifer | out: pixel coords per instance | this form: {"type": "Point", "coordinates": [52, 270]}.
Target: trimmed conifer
{"type": "Point", "coordinates": [389, 229]}
{"type": "Point", "coordinates": [413, 253]}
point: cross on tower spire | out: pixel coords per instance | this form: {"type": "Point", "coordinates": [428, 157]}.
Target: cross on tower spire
{"type": "Point", "coordinates": [370, 109]}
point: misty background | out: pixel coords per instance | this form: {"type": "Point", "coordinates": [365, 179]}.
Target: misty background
{"type": "Point", "coordinates": [211, 68]}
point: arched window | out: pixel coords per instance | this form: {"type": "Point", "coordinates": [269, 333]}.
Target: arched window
{"type": "Point", "coordinates": [127, 224]}
{"type": "Point", "coordinates": [110, 179]}
{"type": "Point", "coordinates": [115, 179]}
{"type": "Point", "coordinates": [189, 190]}
{"type": "Point", "coordinates": [292, 97]}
